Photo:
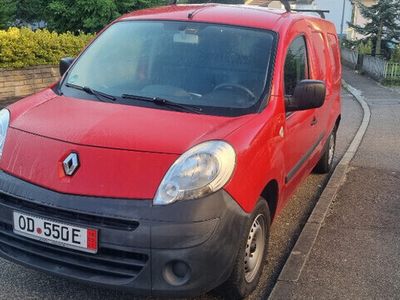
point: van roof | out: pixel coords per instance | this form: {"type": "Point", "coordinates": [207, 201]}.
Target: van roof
{"type": "Point", "coordinates": [240, 15]}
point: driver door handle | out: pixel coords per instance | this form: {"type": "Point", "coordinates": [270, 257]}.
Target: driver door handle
{"type": "Point", "coordinates": [314, 121]}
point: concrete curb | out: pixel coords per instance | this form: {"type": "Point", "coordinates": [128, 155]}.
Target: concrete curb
{"type": "Point", "coordinates": [298, 257]}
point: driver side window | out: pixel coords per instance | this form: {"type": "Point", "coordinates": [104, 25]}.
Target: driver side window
{"type": "Point", "coordinates": [296, 65]}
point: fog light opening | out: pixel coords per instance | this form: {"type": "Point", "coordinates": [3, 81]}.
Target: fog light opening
{"type": "Point", "coordinates": [176, 273]}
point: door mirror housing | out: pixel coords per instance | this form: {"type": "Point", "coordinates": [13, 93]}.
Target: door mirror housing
{"type": "Point", "coordinates": [65, 63]}
{"type": "Point", "coordinates": [308, 94]}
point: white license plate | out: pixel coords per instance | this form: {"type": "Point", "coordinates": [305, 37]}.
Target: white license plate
{"type": "Point", "coordinates": [48, 231]}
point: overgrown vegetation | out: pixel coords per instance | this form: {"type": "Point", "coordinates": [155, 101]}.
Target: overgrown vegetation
{"type": "Point", "coordinates": [23, 47]}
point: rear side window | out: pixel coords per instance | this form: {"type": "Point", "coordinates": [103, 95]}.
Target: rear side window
{"type": "Point", "coordinates": [319, 48]}
{"type": "Point", "coordinates": [334, 54]}
{"type": "Point", "coordinates": [296, 65]}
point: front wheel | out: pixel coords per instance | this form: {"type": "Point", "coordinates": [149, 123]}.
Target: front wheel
{"type": "Point", "coordinates": [252, 255]}
{"type": "Point", "coordinates": [325, 164]}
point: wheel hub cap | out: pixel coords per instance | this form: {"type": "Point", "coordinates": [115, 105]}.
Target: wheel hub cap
{"type": "Point", "coordinates": [254, 248]}
{"type": "Point", "coordinates": [331, 149]}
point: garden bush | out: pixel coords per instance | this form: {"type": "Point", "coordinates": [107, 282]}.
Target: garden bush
{"type": "Point", "coordinates": [22, 47]}
{"type": "Point", "coordinates": [396, 54]}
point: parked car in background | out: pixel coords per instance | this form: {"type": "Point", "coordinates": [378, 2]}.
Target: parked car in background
{"type": "Point", "coordinates": [159, 160]}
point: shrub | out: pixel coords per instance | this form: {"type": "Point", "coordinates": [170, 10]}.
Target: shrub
{"type": "Point", "coordinates": [348, 44]}
{"type": "Point", "coordinates": [365, 48]}
{"type": "Point", "coordinates": [23, 47]}
{"type": "Point", "coordinates": [396, 54]}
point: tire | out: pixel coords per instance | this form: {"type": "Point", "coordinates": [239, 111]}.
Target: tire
{"type": "Point", "coordinates": [325, 163]}
{"type": "Point", "coordinates": [244, 280]}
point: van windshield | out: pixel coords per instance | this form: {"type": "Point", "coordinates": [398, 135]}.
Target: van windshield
{"type": "Point", "coordinates": [222, 69]}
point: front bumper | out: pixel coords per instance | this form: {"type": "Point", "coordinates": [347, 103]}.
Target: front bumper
{"type": "Point", "coordinates": [183, 249]}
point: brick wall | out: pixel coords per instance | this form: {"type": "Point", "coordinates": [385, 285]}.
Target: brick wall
{"type": "Point", "coordinates": [15, 84]}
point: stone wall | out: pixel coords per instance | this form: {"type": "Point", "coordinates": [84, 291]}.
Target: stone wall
{"type": "Point", "coordinates": [18, 83]}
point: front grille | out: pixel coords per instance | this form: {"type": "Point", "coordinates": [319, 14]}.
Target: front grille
{"type": "Point", "coordinates": [107, 266]}
{"type": "Point", "coordinates": [76, 217]}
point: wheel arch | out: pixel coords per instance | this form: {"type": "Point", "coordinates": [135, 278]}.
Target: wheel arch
{"type": "Point", "coordinates": [337, 123]}
{"type": "Point", "coordinates": [271, 195]}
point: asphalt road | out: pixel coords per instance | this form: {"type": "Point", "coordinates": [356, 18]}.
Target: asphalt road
{"type": "Point", "coordinates": [20, 283]}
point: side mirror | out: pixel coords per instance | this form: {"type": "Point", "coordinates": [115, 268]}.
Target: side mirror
{"type": "Point", "coordinates": [308, 94]}
{"type": "Point", "coordinates": [65, 63]}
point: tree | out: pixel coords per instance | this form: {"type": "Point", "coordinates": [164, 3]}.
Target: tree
{"type": "Point", "coordinates": [30, 10]}
{"type": "Point", "coordinates": [124, 6]}
{"type": "Point", "coordinates": [20, 12]}
{"type": "Point", "coordinates": [68, 15]}
{"type": "Point", "coordinates": [89, 15]}
{"type": "Point", "coordinates": [85, 15]}
{"type": "Point", "coordinates": [7, 13]}
{"type": "Point", "coordinates": [383, 22]}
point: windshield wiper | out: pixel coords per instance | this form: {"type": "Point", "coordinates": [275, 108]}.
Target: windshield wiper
{"type": "Point", "coordinates": [99, 95]}
{"type": "Point", "coordinates": [164, 102]}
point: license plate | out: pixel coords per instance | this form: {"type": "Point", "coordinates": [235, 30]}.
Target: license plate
{"type": "Point", "coordinates": [60, 234]}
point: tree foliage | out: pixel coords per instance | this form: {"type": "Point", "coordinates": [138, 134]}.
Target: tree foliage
{"type": "Point", "coordinates": [30, 10]}
{"type": "Point", "coordinates": [383, 22]}
{"type": "Point", "coordinates": [68, 15]}
{"type": "Point", "coordinates": [85, 15]}
{"type": "Point", "coordinates": [14, 12]}
{"type": "Point", "coordinates": [89, 15]}
{"type": "Point", "coordinates": [7, 13]}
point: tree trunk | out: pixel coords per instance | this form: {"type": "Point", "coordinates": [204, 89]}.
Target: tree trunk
{"type": "Point", "coordinates": [378, 46]}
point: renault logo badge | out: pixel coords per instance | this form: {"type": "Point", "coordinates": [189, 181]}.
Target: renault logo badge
{"type": "Point", "coordinates": [71, 164]}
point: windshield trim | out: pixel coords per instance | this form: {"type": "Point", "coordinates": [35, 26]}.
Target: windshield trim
{"type": "Point", "coordinates": [257, 107]}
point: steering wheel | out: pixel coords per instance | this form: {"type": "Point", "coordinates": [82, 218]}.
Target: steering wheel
{"type": "Point", "coordinates": [235, 85]}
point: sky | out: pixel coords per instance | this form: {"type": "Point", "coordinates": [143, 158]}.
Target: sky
{"type": "Point", "coordinates": [335, 7]}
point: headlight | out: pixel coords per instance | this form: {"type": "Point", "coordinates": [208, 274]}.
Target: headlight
{"type": "Point", "coordinates": [198, 172]}
{"type": "Point", "coordinates": [4, 121]}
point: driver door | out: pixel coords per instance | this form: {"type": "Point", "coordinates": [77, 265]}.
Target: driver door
{"type": "Point", "coordinates": [300, 133]}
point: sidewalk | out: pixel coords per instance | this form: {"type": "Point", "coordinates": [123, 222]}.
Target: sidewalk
{"type": "Point", "coordinates": [357, 251]}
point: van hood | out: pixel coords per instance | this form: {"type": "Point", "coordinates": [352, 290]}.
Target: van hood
{"type": "Point", "coordinates": [123, 151]}
{"type": "Point", "coordinates": [110, 125]}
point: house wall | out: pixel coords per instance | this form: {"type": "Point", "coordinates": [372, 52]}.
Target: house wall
{"type": "Point", "coordinates": [359, 19]}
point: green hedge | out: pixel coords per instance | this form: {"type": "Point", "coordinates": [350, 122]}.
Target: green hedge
{"type": "Point", "coordinates": [23, 47]}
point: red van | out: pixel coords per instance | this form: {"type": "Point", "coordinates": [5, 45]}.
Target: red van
{"type": "Point", "coordinates": [158, 161]}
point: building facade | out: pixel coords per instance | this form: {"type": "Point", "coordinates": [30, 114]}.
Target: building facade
{"type": "Point", "coordinates": [359, 19]}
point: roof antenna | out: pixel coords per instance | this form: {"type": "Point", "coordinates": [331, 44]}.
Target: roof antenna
{"type": "Point", "coordinates": [286, 5]}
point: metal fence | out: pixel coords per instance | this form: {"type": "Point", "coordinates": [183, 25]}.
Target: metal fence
{"type": "Point", "coordinates": [377, 68]}
{"type": "Point", "coordinates": [374, 66]}
{"type": "Point", "coordinates": [349, 57]}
